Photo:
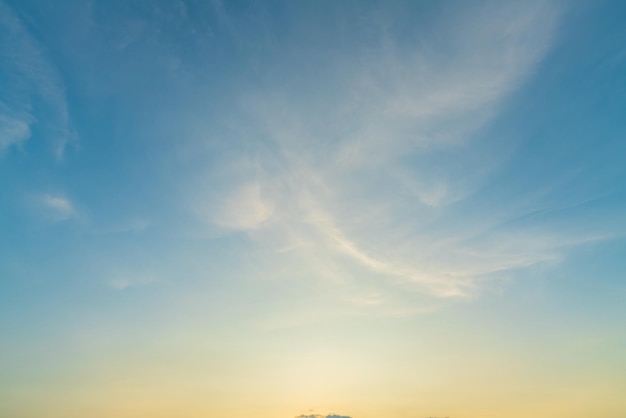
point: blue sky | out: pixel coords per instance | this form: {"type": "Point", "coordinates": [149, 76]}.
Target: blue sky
{"type": "Point", "coordinates": [387, 201]}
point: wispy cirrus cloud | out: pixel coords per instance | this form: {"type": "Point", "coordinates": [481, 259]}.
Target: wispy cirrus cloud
{"type": "Point", "coordinates": [33, 91]}
{"type": "Point", "coordinates": [15, 128]}
{"type": "Point", "coordinates": [124, 281]}
{"type": "Point", "coordinates": [243, 209]}
{"type": "Point", "coordinates": [57, 207]}
{"type": "Point", "coordinates": [375, 176]}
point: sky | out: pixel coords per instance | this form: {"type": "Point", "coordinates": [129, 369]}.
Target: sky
{"type": "Point", "coordinates": [312, 209]}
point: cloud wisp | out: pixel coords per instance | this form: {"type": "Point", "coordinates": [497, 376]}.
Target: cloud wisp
{"type": "Point", "coordinates": [123, 282]}
{"type": "Point", "coordinates": [376, 176]}
{"type": "Point", "coordinates": [33, 91]}
{"type": "Point", "coordinates": [57, 208]}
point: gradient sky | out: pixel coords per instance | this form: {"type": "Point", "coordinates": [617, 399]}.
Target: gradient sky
{"type": "Point", "coordinates": [302, 208]}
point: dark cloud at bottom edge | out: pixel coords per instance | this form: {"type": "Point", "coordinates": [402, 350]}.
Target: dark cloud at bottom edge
{"type": "Point", "coordinates": [323, 416]}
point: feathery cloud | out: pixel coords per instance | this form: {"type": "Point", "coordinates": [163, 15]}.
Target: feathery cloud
{"type": "Point", "coordinates": [244, 208]}
{"type": "Point", "coordinates": [58, 208]}
{"type": "Point", "coordinates": [32, 88]}
{"type": "Point", "coordinates": [374, 196]}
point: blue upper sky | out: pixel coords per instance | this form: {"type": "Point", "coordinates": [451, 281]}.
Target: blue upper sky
{"type": "Point", "coordinates": [250, 174]}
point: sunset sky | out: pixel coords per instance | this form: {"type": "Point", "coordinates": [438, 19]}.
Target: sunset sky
{"type": "Point", "coordinates": [342, 209]}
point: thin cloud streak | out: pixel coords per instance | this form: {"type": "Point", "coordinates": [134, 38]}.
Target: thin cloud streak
{"type": "Point", "coordinates": [59, 208]}
{"type": "Point", "coordinates": [367, 180]}
{"type": "Point", "coordinates": [31, 78]}
{"type": "Point", "coordinates": [358, 197]}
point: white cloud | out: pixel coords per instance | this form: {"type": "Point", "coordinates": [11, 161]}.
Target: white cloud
{"type": "Point", "coordinates": [13, 130]}
{"type": "Point", "coordinates": [244, 208]}
{"type": "Point", "coordinates": [371, 199]}
{"type": "Point", "coordinates": [365, 181]}
{"type": "Point", "coordinates": [136, 225]}
{"type": "Point", "coordinates": [125, 281]}
{"type": "Point", "coordinates": [57, 207]}
{"type": "Point", "coordinates": [29, 75]}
